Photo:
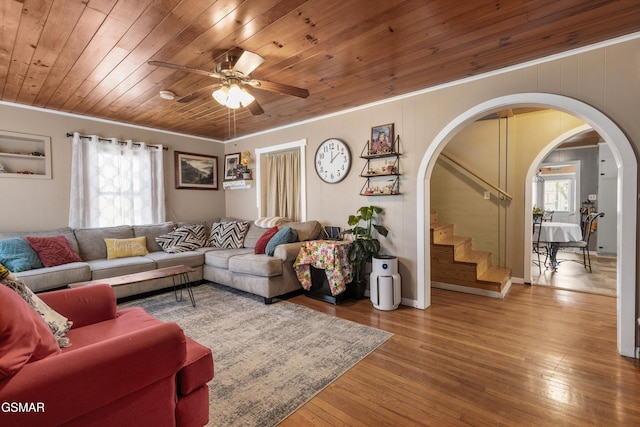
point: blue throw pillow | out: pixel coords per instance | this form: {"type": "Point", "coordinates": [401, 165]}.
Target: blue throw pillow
{"type": "Point", "coordinates": [17, 255]}
{"type": "Point", "coordinates": [286, 235]}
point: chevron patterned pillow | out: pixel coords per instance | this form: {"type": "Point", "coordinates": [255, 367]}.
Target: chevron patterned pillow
{"type": "Point", "coordinates": [228, 235]}
{"type": "Point", "coordinates": [183, 239]}
{"type": "Point", "coordinates": [199, 233]}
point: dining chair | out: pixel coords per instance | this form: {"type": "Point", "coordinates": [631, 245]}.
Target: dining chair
{"type": "Point", "coordinates": [539, 247]}
{"type": "Point", "coordinates": [547, 216]}
{"type": "Point", "coordinates": [584, 243]}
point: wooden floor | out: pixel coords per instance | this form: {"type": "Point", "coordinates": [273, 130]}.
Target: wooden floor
{"type": "Point", "coordinates": [573, 275]}
{"type": "Point", "coordinates": [540, 357]}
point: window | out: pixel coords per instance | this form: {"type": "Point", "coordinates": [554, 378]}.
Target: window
{"type": "Point", "coordinates": [558, 194]}
{"type": "Point", "coordinates": [115, 184]}
{"type": "Point", "coordinates": [555, 187]}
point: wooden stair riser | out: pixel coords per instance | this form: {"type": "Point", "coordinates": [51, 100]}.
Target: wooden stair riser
{"type": "Point", "coordinates": [459, 255]}
{"type": "Point", "coordinates": [465, 275]}
{"type": "Point", "coordinates": [453, 273]}
{"type": "Point", "coordinates": [494, 287]}
{"type": "Point", "coordinates": [443, 253]}
{"type": "Point", "coordinates": [461, 250]}
{"type": "Point", "coordinates": [453, 261]}
{"type": "Point", "coordinates": [496, 274]}
{"type": "Point", "coordinates": [483, 262]}
{"type": "Point", "coordinates": [442, 232]}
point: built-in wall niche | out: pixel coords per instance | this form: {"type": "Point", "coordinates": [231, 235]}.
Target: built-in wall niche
{"type": "Point", "coordinates": [24, 156]}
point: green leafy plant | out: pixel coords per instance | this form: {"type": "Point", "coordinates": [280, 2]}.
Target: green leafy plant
{"type": "Point", "coordinates": [537, 214]}
{"type": "Point", "coordinates": [364, 245]}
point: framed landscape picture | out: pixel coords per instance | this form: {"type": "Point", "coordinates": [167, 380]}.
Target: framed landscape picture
{"type": "Point", "coordinates": [231, 163]}
{"type": "Point", "coordinates": [196, 171]}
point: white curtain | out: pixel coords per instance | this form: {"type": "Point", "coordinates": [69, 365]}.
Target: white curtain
{"type": "Point", "coordinates": [283, 185]}
{"type": "Point", "coordinates": [114, 183]}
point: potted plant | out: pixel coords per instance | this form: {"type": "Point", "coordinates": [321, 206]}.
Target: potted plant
{"type": "Point", "coordinates": [364, 245]}
{"type": "Point", "coordinates": [244, 163]}
{"type": "Point", "coordinates": [537, 214]}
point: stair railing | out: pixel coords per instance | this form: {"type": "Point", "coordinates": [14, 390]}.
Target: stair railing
{"type": "Point", "coordinates": [501, 193]}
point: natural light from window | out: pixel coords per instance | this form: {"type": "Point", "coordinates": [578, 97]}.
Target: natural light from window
{"type": "Point", "coordinates": [557, 194]}
{"type": "Point", "coordinates": [120, 199]}
{"type": "Point", "coordinates": [115, 182]}
{"type": "Point", "coordinates": [555, 188]}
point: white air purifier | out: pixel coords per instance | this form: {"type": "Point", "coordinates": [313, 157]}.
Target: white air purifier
{"type": "Point", "coordinates": [385, 282]}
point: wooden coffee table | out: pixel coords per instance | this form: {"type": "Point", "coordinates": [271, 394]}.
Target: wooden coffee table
{"type": "Point", "coordinates": [179, 273]}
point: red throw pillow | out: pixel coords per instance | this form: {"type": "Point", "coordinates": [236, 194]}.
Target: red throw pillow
{"type": "Point", "coordinates": [54, 250]}
{"type": "Point", "coordinates": [24, 336]}
{"type": "Point", "coordinates": [261, 244]}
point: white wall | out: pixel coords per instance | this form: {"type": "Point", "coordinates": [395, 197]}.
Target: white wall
{"type": "Point", "coordinates": [34, 204]}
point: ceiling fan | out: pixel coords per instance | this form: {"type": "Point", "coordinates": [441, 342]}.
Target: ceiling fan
{"type": "Point", "coordinates": [234, 73]}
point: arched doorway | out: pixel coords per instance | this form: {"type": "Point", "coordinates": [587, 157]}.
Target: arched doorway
{"type": "Point", "coordinates": [531, 172]}
{"type": "Point", "coordinates": [627, 185]}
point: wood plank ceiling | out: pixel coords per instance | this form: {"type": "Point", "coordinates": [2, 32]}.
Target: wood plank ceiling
{"type": "Point", "coordinates": [89, 57]}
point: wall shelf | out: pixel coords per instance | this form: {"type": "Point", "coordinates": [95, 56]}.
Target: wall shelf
{"type": "Point", "coordinates": [380, 166]}
{"type": "Point", "coordinates": [25, 156]}
{"type": "Point", "coordinates": [238, 184]}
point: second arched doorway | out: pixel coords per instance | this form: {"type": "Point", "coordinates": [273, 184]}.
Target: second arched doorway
{"type": "Point", "coordinates": [627, 185]}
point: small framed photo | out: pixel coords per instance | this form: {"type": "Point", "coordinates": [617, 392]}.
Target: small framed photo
{"type": "Point", "coordinates": [196, 171]}
{"type": "Point", "coordinates": [382, 138]}
{"type": "Point", "coordinates": [231, 164]}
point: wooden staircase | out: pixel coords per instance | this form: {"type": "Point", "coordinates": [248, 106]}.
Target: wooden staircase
{"type": "Point", "coordinates": [456, 266]}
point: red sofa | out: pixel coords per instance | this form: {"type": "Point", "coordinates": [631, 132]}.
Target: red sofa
{"type": "Point", "coordinates": [123, 368]}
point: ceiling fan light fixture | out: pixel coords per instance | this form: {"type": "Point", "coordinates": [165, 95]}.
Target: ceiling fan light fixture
{"type": "Point", "coordinates": [233, 103]}
{"type": "Point", "coordinates": [235, 71]}
{"type": "Point", "coordinates": [247, 98]}
{"type": "Point", "coordinates": [235, 96]}
{"type": "Point", "coordinates": [232, 96]}
{"type": "Point", "coordinates": [221, 95]}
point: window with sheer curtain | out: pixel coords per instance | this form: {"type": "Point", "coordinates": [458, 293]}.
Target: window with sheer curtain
{"type": "Point", "coordinates": [114, 183]}
{"type": "Point", "coordinates": [283, 184]}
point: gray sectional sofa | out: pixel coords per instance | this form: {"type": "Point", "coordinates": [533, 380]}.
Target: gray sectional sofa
{"type": "Point", "coordinates": [260, 274]}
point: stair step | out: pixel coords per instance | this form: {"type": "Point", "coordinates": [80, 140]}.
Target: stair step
{"type": "Point", "coordinates": [441, 231]}
{"type": "Point", "coordinates": [496, 275]}
{"type": "Point", "coordinates": [453, 241]}
{"type": "Point", "coordinates": [455, 246]}
{"type": "Point", "coordinates": [456, 266]}
{"type": "Point", "coordinates": [474, 257]}
{"type": "Point", "coordinates": [481, 259]}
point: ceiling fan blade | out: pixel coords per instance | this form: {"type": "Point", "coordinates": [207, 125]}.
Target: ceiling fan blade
{"type": "Point", "coordinates": [255, 108]}
{"type": "Point", "coordinates": [248, 62]}
{"type": "Point", "coordinates": [184, 68]}
{"type": "Point", "coordinates": [280, 88]}
{"type": "Point", "coordinates": [197, 94]}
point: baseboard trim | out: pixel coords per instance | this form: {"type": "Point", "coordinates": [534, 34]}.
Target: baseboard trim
{"type": "Point", "coordinates": [403, 301]}
{"type": "Point", "coordinates": [473, 291]}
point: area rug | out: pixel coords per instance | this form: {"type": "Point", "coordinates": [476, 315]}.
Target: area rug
{"type": "Point", "coordinates": [269, 359]}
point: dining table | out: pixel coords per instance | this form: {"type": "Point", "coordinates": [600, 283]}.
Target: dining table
{"type": "Point", "coordinates": [555, 233]}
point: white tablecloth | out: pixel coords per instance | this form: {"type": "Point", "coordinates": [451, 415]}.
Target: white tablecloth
{"type": "Point", "coordinates": [557, 232]}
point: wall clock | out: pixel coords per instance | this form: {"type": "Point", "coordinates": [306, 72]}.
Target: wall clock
{"type": "Point", "coordinates": [333, 160]}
